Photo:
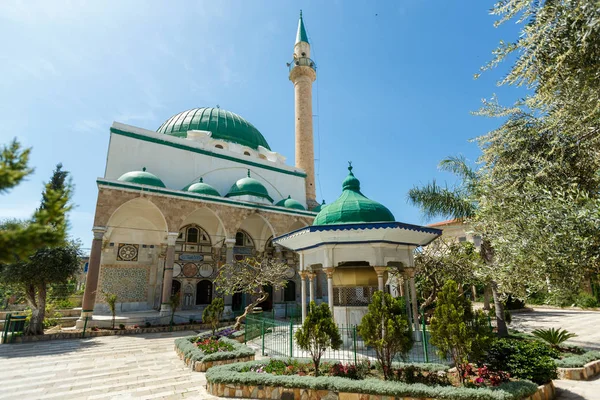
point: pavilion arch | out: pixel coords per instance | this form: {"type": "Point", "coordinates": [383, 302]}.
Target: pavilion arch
{"type": "Point", "coordinates": [258, 228]}
{"type": "Point", "coordinates": [137, 221]}
{"type": "Point", "coordinates": [208, 220]}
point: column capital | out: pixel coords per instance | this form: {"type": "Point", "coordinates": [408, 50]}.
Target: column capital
{"type": "Point", "coordinates": [329, 271]}
{"type": "Point", "coordinates": [408, 272]}
{"type": "Point", "coordinates": [310, 275]}
{"type": "Point", "coordinates": [99, 232]}
{"type": "Point", "coordinates": [171, 238]}
{"type": "Point", "coordinates": [229, 242]}
{"type": "Point", "coordinates": [303, 275]}
{"type": "Point", "coordinates": [380, 270]}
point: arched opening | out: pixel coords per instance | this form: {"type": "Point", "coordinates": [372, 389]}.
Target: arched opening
{"type": "Point", "coordinates": [204, 292]}
{"type": "Point", "coordinates": [175, 287]}
{"type": "Point", "coordinates": [244, 245]}
{"type": "Point", "coordinates": [246, 153]}
{"type": "Point", "coordinates": [218, 146]}
{"type": "Point", "coordinates": [238, 301]}
{"type": "Point", "coordinates": [289, 293]}
{"type": "Point", "coordinates": [267, 305]}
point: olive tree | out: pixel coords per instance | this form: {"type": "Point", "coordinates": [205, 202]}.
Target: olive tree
{"type": "Point", "coordinates": [251, 276]}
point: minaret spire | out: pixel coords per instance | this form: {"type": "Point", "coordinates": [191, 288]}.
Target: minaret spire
{"type": "Point", "coordinates": [303, 72]}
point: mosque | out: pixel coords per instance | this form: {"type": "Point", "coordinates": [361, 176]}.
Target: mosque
{"type": "Point", "coordinates": [206, 189]}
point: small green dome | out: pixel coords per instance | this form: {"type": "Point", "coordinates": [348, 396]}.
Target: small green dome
{"type": "Point", "coordinates": [142, 178]}
{"type": "Point", "coordinates": [249, 187]}
{"type": "Point", "coordinates": [203, 188]}
{"type": "Point", "coordinates": [223, 124]}
{"type": "Point", "coordinates": [290, 203]}
{"type": "Point", "coordinates": [319, 207]}
{"type": "Point", "coordinates": [352, 207]}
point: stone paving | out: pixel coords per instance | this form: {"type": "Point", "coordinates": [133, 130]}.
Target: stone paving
{"type": "Point", "coordinates": [111, 367]}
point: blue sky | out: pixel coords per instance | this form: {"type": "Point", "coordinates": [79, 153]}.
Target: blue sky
{"type": "Point", "coordinates": [394, 90]}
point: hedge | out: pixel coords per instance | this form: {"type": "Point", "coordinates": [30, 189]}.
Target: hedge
{"type": "Point", "coordinates": [230, 374]}
{"type": "Point", "coordinates": [192, 352]}
{"type": "Point", "coordinates": [578, 360]}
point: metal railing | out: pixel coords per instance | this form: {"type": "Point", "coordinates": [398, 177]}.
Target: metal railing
{"type": "Point", "coordinates": [302, 62]}
{"type": "Point", "coordinates": [275, 338]}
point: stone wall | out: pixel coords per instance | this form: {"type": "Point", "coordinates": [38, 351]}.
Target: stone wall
{"type": "Point", "coordinates": [587, 372]}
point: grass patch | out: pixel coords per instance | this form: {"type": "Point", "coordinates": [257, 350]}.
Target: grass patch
{"type": "Point", "coordinates": [578, 360]}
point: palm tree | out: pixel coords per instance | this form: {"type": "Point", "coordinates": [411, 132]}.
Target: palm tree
{"type": "Point", "coordinates": [459, 202]}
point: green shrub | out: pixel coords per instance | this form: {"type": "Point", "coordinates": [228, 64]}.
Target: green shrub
{"type": "Point", "coordinates": [385, 327]}
{"type": "Point", "coordinates": [231, 374]}
{"type": "Point", "coordinates": [554, 337]}
{"type": "Point", "coordinates": [586, 300]}
{"type": "Point", "coordinates": [522, 359]}
{"type": "Point", "coordinates": [212, 313]}
{"type": "Point", "coordinates": [190, 351]}
{"type": "Point", "coordinates": [578, 360]}
{"type": "Point", "coordinates": [512, 303]}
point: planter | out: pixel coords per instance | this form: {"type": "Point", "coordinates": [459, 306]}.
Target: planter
{"type": "Point", "coordinates": [545, 392]}
{"type": "Point", "coordinates": [200, 362]}
{"type": "Point", "coordinates": [230, 381]}
{"type": "Point", "coordinates": [587, 372]}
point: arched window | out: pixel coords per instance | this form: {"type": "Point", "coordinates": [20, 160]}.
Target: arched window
{"type": "Point", "coordinates": [204, 292]}
{"type": "Point", "coordinates": [244, 246]}
{"type": "Point", "coordinates": [192, 235]}
{"type": "Point", "coordinates": [246, 153]}
{"type": "Point", "coordinates": [239, 239]}
{"type": "Point", "coordinates": [289, 293]}
{"type": "Point", "coordinates": [218, 146]}
{"type": "Point", "coordinates": [175, 287]}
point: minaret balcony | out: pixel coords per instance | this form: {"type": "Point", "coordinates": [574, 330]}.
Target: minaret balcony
{"type": "Point", "coordinates": [302, 62]}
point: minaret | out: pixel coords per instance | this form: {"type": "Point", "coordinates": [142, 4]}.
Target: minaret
{"type": "Point", "coordinates": [303, 74]}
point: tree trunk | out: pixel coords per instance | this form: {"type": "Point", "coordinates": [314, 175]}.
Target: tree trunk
{"type": "Point", "coordinates": [36, 299]}
{"type": "Point", "coordinates": [500, 322]}
{"type": "Point", "coordinates": [238, 321]}
{"type": "Point", "coordinates": [486, 298]}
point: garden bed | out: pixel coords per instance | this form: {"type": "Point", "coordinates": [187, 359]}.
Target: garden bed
{"type": "Point", "coordinates": [203, 352]}
{"type": "Point", "coordinates": [246, 380]}
{"type": "Point", "coordinates": [579, 367]}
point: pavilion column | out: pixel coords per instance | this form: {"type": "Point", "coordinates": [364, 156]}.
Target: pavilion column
{"type": "Point", "coordinates": [165, 307]}
{"type": "Point", "coordinates": [410, 278]}
{"type": "Point", "coordinates": [380, 271]}
{"type": "Point", "coordinates": [91, 281]}
{"type": "Point", "coordinates": [228, 299]}
{"type": "Point", "coordinates": [303, 276]}
{"type": "Point", "coordinates": [329, 272]}
{"type": "Point", "coordinates": [311, 285]}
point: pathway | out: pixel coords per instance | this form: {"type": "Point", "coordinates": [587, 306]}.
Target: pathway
{"type": "Point", "coordinates": [109, 367]}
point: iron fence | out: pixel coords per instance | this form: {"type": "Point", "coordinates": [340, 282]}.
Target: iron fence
{"type": "Point", "coordinates": [275, 338]}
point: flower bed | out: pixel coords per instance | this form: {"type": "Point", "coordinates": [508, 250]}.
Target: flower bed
{"type": "Point", "coordinates": [579, 367]}
{"type": "Point", "coordinates": [244, 380]}
{"type": "Point", "coordinates": [202, 353]}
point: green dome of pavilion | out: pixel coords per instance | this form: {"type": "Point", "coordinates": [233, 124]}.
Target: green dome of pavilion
{"type": "Point", "coordinates": [203, 188]}
{"type": "Point", "coordinates": [223, 124]}
{"type": "Point", "coordinates": [352, 207]}
{"type": "Point", "coordinates": [290, 203]}
{"type": "Point", "coordinates": [142, 178]}
{"type": "Point", "coordinates": [249, 187]}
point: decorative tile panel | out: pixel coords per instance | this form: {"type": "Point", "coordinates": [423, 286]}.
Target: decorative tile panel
{"type": "Point", "coordinates": [127, 252]}
{"type": "Point", "coordinates": [129, 283]}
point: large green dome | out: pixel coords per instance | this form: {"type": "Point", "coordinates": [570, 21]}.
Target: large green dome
{"type": "Point", "coordinates": [249, 187]}
{"type": "Point", "coordinates": [223, 124]}
{"type": "Point", "coordinates": [203, 188]}
{"type": "Point", "coordinates": [352, 207]}
{"type": "Point", "coordinates": [142, 178]}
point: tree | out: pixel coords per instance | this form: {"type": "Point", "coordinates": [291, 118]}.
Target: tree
{"type": "Point", "coordinates": [251, 276]}
{"type": "Point", "coordinates": [111, 300]}
{"type": "Point", "coordinates": [456, 330]}
{"type": "Point", "coordinates": [461, 202]}
{"type": "Point", "coordinates": [443, 260]}
{"type": "Point", "coordinates": [385, 327]}
{"type": "Point", "coordinates": [318, 333]}
{"type": "Point", "coordinates": [174, 302]}
{"type": "Point", "coordinates": [47, 227]}
{"type": "Point", "coordinates": [34, 274]}
{"type": "Point", "coordinates": [212, 314]}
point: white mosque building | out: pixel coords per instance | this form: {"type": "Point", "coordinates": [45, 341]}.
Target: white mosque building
{"type": "Point", "coordinates": [206, 189]}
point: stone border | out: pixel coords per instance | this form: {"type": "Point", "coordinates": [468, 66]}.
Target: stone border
{"type": "Point", "coordinates": [544, 392]}
{"type": "Point", "coordinates": [587, 372]}
{"type": "Point", "coordinates": [90, 333]}
{"type": "Point", "coordinates": [203, 366]}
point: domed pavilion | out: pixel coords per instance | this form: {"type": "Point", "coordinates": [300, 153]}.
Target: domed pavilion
{"type": "Point", "coordinates": [361, 248]}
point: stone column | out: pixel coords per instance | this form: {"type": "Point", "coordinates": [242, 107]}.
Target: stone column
{"type": "Point", "coordinates": [411, 289]}
{"type": "Point", "coordinates": [303, 276]}
{"type": "Point", "coordinates": [91, 281]}
{"type": "Point", "coordinates": [329, 272]}
{"type": "Point", "coordinates": [380, 282]}
{"type": "Point", "coordinates": [165, 307]}
{"type": "Point", "coordinates": [311, 285]}
{"type": "Point", "coordinates": [228, 299]}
